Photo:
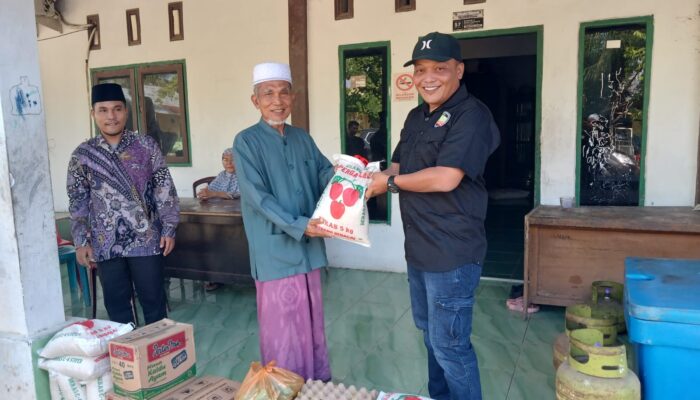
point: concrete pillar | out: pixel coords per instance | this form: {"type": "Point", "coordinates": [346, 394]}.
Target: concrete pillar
{"type": "Point", "coordinates": [31, 302]}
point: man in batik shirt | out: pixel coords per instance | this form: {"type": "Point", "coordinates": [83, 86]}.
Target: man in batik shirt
{"type": "Point", "coordinates": [123, 209]}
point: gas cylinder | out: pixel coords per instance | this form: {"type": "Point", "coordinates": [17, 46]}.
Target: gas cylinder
{"type": "Point", "coordinates": [560, 349]}
{"type": "Point", "coordinates": [608, 296]}
{"type": "Point", "coordinates": [595, 372]}
{"type": "Point", "coordinates": [581, 316]}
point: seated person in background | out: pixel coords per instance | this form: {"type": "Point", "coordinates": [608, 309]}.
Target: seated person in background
{"type": "Point", "coordinates": [225, 185]}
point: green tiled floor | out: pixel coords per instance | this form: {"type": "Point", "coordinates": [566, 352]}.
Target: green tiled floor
{"type": "Point", "coordinates": [372, 339]}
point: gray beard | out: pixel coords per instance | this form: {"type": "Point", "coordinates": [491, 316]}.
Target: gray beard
{"type": "Point", "coordinates": [274, 123]}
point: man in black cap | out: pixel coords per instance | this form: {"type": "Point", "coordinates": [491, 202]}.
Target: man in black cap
{"type": "Point", "coordinates": [437, 169]}
{"type": "Point", "coordinates": [123, 209]}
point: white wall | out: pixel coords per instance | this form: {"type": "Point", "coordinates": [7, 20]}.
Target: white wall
{"type": "Point", "coordinates": [672, 134]}
{"type": "Point", "coordinates": [224, 39]}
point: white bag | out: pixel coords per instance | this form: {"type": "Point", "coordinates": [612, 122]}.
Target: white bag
{"type": "Point", "coordinates": [97, 388]}
{"type": "Point", "coordinates": [86, 338]}
{"type": "Point", "coordinates": [55, 391]}
{"type": "Point", "coordinates": [68, 388]}
{"type": "Point", "coordinates": [342, 205]}
{"type": "Point", "coordinates": [82, 368]}
{"type": "Point", "coordinates": [400, 396]}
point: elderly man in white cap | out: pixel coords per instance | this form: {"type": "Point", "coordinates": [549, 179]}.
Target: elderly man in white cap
{"type": "Point", "coordinates": [281, 175]}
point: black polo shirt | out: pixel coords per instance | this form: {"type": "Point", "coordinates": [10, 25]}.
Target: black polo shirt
{"type": "Point", "coordinates": [446, 230]}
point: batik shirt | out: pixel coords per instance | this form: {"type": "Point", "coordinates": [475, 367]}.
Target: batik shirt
{"type": "Point", "coordinates": [226, 182]}
{"type": "Point", "coordinates": [121, 199]}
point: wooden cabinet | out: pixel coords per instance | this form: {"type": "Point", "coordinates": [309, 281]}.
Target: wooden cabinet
{"type": "Point", "coordinates": [211, 244]}
{"type": "Point", "coordinates": [567, 249]}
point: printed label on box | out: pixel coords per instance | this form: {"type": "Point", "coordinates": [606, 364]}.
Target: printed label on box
{"type": "Point", "coordinates": [166, 346]}
{"type": "Point", "coordinates": [153, 359]}
{"type": "Point", "coordinates": [121, 352]}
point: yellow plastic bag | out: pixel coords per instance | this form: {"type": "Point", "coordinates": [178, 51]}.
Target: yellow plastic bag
{"type": "Point", "coordinates": [269, 383]}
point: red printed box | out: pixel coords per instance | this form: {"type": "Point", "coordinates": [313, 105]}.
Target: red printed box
{"type": "Point", "coordinates": [152, 359]}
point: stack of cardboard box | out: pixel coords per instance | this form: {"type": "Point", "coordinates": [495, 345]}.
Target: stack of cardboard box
{"type": "Point", "coordinates": [205, 388]}
{"type": "Point", "coordinates": [158, 362]}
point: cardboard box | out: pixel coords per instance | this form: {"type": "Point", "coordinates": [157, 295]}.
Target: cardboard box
{"type": "Point", "coordinates": [205, 388]}
{"type": "Point", "coordinates": [153, 359]}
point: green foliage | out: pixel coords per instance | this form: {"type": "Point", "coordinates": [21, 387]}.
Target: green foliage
{"type": "Point", "coordinates": [366, 100]}
{"type": "Point", "coordinates": [613, 79]}
{"type": "Point", "coordinates": [167, 84]}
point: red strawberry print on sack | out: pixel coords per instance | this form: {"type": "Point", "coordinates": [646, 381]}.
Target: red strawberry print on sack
{"type": "Point", "coordinates": [336, 190]}
{"type": "Point", "coordinates": [350, 196]}
{"type": "Point", "coordinates": [337, 209]}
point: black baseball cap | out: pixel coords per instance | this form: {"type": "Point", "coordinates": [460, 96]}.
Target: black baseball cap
{"type": "Point", "coordinates": [436, 46]}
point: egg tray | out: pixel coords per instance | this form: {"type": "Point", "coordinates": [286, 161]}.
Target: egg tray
{"type": "Point", "coordinates": [318, 390]}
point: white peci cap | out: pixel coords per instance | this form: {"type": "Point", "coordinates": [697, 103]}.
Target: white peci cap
{"type": "Point", "coordinates": [271, 71]}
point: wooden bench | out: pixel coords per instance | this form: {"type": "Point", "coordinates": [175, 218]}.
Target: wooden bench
{"type": "Point", "coordinates": [568, 249]}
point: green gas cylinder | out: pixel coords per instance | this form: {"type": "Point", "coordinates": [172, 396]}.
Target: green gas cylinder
{"type": "Point", "coordinates": [560, 349]}
{"type": "Point", "coordinates": [583, 316]}
{"type": "Point", "coordinates": [608, 296]}
{"type": "Point", "coordinates": [595, 372]}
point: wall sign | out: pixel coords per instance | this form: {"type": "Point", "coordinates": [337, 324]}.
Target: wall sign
{"type": "Point", "coordinates": [403, 87]}
{"type": "Point", "coordinates": [467, 20]}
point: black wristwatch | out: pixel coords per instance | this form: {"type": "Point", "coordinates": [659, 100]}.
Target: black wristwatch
{"type": "Point", "coordinates": [391, 185]}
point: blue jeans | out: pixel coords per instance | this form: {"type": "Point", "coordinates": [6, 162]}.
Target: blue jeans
{"type": "Point", "coordinates": [442, 304]}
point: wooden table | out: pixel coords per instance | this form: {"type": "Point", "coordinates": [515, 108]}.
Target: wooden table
{"type": "Point", "coordinates": [568, 249]}
{"type": "Point", "coordinates": [211, 244]}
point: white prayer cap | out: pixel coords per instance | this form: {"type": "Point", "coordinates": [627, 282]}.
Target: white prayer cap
{"type": "Point", "coordinates": [271, 71]}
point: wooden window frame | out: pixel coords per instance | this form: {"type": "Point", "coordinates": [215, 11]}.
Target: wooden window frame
{"type": "Point", "coordinates": [340, 14]}
{"type": "Point", "coordinates": [399, 7]}
{"type": "Point", "coordinates": [171, 21]}
{"type": "Point", "coordinates": [130, 28]}
{"type": "Point", "coordinates": [352, 50]}
{"type": "Point", "coordinates": [169, 68]}
{"type": "Point", "coordinates": [136, 72]}
{"type": "Point", "coordinates": [648, 22]}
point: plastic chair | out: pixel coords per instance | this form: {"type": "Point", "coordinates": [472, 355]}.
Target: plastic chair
{"type": "Point", "coordinates": [61, 241]}
{"type": "Point", "coordinates": [66, 255]}
{"type": "Point", "coordinates": [201, 181]}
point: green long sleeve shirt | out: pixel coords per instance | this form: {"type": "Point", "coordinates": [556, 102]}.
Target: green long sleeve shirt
{"type": "Point", "coordinates": [281, 178]}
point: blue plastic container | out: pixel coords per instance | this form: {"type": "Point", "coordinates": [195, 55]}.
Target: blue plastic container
{"type": "Point", "coordinates": [662, 310]}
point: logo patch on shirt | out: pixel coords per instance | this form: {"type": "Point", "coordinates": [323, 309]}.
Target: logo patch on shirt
{"type": "Point", "coordinates": [443, 119]}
